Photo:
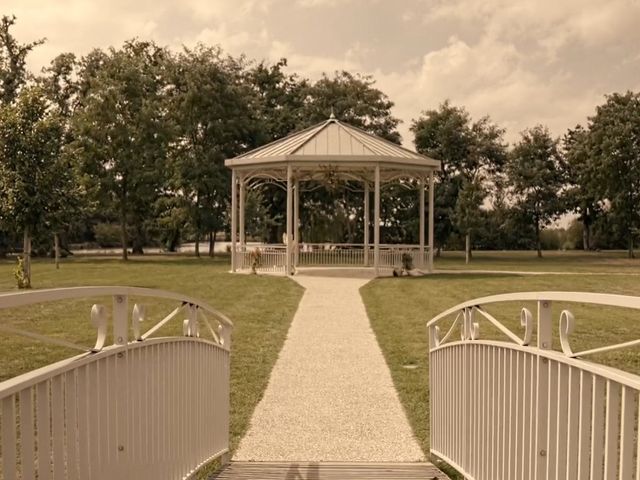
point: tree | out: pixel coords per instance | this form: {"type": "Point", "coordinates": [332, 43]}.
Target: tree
{"type": "Point", "coordinates": [211, 110]}
{"type": "Point", "coordinates": [581, 193]}
{"type": "Point", "coordinates": [13, 75]}
{"type": "Point", "coordinates": [13, 60]}
{"type": "Point", "coordinates": [353, 99]}
{"type": "Point", "coordinates": [121, 131]}
{"type": "Point", "coordinates": [34, 182]}
{"type": "Point", "coordinates": [534, 173]}
{"type": "Point", "coordinates": [286, 103]}
{"type": "Point", "coordinates": [614, 149]}
{"type": "Point", "coordinates": [60, 85]}
{"type": "Point", "coordinates": [277, 102]}
{"type": "Point", "coordinates": [472, 153]}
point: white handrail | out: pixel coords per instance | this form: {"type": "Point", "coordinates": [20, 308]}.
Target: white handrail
{"type": "Point", "coordinates": [504, 409]}
{"type": "Point", "coordinates": [144, 408]}
{"type": "Point", "coordinates": [19, 299]}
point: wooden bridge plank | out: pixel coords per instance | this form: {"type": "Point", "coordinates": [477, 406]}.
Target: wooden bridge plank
{"type": "Point", "coordinates": [329, 471]}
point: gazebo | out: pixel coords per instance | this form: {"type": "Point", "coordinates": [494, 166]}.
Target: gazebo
{"type": "Point", "coordinates": [336, 150]}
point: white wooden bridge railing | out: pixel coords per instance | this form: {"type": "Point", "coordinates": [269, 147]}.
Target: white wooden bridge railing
{"type": "Point", "coordinates": [273, 257]}
{"type": "Point", "coordinates": [509, 410]}
{"type": "Point", "coordinates": [143, 407]}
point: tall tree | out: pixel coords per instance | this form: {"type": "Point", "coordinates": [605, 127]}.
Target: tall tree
{"type": "Point", "coordinates": [59, 83]}
{"type": "Point", "coordinates": [472, 153]}
{"type": "Point", "coordinates": [121, 131]}
{"type": "Point", "coordinates": [278, 101]}
{"type": "Point", "coordinates": [354, 99]}
{"type": "Point", "coordinates": [614, 148]}
{"type": "Point", "coordinates": [534, 172]}
{"type": "Point", "coordinates": [34, 183]}
{"type": "Point", "coordinates": [13, 61]}
{"type": "Point", "coordinates": [581, 194]}
{"type": "Point", "coordinates": [213, 121]}
{"type": "Point", "coordinates": [13, 76]}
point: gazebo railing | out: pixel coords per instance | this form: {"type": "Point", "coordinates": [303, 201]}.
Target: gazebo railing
{"type": "Point", "coordinates": [145, 407]}
{"type": "Point", "coordinates": [273, 257]}
{"type": "Point", "coordinates": [509, 409]}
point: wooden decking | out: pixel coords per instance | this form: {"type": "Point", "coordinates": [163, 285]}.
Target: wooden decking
{"type": "Point", "coordinates": [329, 471]}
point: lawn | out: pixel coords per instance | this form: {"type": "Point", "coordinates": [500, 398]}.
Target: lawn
{"type": "Point", "coordinates": [260, 307]}
{"type": "Point", "coordinates": [551, 261]}
{"type": "Point", "coordinates": [399, 309]}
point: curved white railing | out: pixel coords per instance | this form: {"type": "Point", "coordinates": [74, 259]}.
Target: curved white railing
{"type": "Point", "coordinates": [509, 410]}
{"type": "Point", "coordinates": [143, 407]}
{"type": "Point", "coordinates": [273, 257]}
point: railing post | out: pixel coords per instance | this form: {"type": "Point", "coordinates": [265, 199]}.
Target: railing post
{"type": "Point", "coordinates": [421, 226]}
{"type": "Point", "coordinates": [545, 337]}
{"type": "Point", "coordinates": [120, 316]}
{"type": "Point", "coordinates": [234, 218]}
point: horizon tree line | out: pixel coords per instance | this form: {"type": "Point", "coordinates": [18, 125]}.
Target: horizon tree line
{"type": "Point", "coordinates": [126, 147]}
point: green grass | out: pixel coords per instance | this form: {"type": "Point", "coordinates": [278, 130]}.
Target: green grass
{"type": "Point", "coordinates": [261, 308]}
{"type": "Point", "coordinates": [551, 261]}
{"type": "Point", "coordinates": [399, 309]}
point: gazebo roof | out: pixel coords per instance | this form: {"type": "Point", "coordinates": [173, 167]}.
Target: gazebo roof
{"type": "Point", "coordinates": [332, 142]}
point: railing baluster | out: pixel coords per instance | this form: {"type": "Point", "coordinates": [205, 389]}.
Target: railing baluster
{"type": "Point", "coordinates": [627, 433]}
{"type": "Point", "coordinates": [597, 429]}
{"type": "Point", "coordinates": [552, 420]}
{"type": "Point", "coordinates": [58, 430]}
{"type": "Point", "coordinates": [43, 419]}
{"type": "Point", "coordinates": [27, 434]}
{"type": "Point", "coordinates": [612, 429]}
{"type": "Point", "coordinates": [9, 438]}
{"type": "Point", "coordinates": [71, 424]}
{"type": "Point", "coordinates": [573, 401]}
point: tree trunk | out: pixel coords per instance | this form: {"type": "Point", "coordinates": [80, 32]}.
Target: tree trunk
{"type": "Point", "coordinates": [198, 244]}
{"type": "Point", "coordinates": [538, 243]}
{"type": "Point", "coordinates": [631, 253]}
{"type": "Point", "coordinates": [124, 237]}
{"type": "Point", "coordinates": [586, 237]}
{"type": "Point", "coordinates": [438, 251]}
{"type": "Point", "coordinates": [56, 249]}
{"type": "Point", "coordinates": [467, 247]}
{"type": "Point", "coordinates": [212, 243]}
{"type": "Point", "coordinates": [26, 257]}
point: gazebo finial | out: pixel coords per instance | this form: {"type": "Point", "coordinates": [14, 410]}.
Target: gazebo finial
{"type": "Point", "coordinates": [332, 116]}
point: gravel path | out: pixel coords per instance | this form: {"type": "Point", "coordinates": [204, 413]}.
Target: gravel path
{"type": "Point", "coordinates": [330, 396]}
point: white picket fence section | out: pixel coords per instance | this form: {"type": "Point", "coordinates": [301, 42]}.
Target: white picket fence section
{"type": "Point", "coordinates": [273, 257]}
{"type": "Point", "coordinates": [508, 410]}
{"type": "Point", "coordinates": [142, 408]}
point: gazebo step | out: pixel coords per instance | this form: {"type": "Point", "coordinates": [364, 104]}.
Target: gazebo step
{"type": "Point", "coordinates": [329, 471]}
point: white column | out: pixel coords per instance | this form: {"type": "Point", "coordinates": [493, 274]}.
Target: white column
{"type": "Point", "coordinates": [234, 215]}
{"type": "Point", "coordinates": [366, 223]}
{"type": "Point", "coordinates": [296, 222]}
{"type": "Point", "coordinates": [289, 219]}
{"type": "Point", "coordinates": [376, 222]}
{"type": "Point", "coordinates": [421, 263]}
{"type": "Point", "coordinates": [241, 186]}
{"type": "Point", "coordinates": [431, 207]}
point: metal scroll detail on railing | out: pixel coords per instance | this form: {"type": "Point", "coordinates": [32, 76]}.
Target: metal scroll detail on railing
{"type": "Point", "coordinates": [508, 409]}
{"type": "Point", "coordinates": [470, 329]}
{"type": "Point", "coordinates": [144, 407]}
{"type": "Point", "coordinates": [194, 309]}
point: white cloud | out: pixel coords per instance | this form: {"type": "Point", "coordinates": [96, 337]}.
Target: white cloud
{"type": "Point", "coordinates": [521, 61]}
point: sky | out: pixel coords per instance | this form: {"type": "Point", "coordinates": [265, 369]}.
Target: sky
{"type": "Point", "coordinates": [522, 62]}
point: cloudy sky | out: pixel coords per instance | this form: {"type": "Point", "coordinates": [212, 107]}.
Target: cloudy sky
{"type": "Point", "coordinates": [521, 62]}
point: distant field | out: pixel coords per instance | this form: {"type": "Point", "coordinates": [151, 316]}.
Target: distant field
{"type": "Point", "coordinates": [609, 261]}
